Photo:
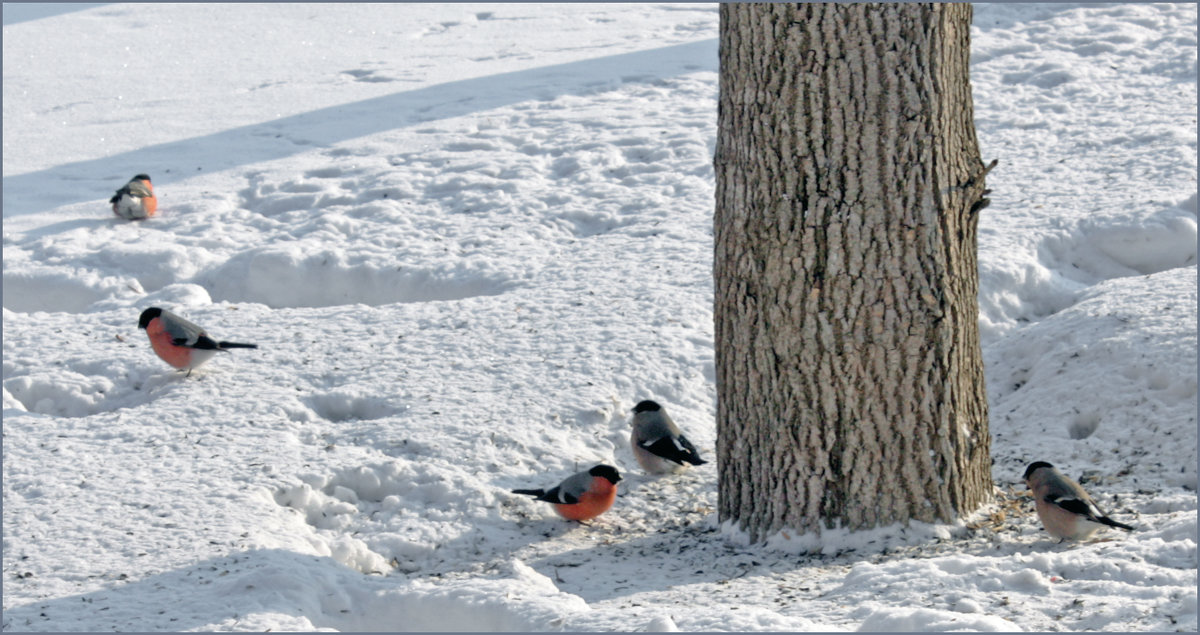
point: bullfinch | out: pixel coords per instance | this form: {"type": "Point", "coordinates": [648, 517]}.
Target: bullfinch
{"type": "Point", "coordinates": [1066, 511]}
{"type": "Point", "coordinates": [180, 343]}
{"type": "Point", "coordinates": [582, 496]}
{"type": "Point", "coordinates": [135, 200]}
{"type": "Point", "coordinates": [658, 444]}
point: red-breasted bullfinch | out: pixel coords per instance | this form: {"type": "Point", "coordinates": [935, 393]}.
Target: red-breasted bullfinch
{"type": "Point", "coordinates": [582, 496]}
{"type": "Point", "coordinates": [1066, 511]}
{"type": "Point", "coordinates": [658, 444]}
{"type": "Point", "coordinates": [135, 200]}
{"type": "Point", "coordinates": [180, 343]}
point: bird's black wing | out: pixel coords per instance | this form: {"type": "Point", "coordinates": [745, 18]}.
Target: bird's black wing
{"type": "Point", "coordinates": [552, 495]}
{"type": "Point", "coordinates": [203, 342]}
{"type": "Point", "coordinates": [556, 494]}
{"type": "Point", "coordinates": [679, 451]}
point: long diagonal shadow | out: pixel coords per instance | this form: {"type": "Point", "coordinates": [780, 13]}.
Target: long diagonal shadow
{"type": "Point", "coordinates": [18, 12]}
{"type": "Point", "coordinates": [87, 180]}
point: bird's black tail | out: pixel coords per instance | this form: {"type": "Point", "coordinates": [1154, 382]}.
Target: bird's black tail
{"type": "Point", "coordinates": [1112, 523]}
{"type": "Point", "coordinates": [529, 492]}
{"type": "Point", "coordinates": [235, 345]}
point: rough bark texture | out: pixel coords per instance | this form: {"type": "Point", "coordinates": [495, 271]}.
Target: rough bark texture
{"type": "Point", "coordinates": [849, 373]}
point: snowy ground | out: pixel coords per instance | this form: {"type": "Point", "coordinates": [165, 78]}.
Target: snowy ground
{"type": "Point", "coordinates": [469, 238]}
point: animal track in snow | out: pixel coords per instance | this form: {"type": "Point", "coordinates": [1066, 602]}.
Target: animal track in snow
{"type": "Point", "coordinates": [334, 237]}
{"type": "Point", "coordinates": [1083, 425]}
{"type": "Point", "coordinates": [338, 406]}
{"type": "Point", "coordinates": [365, 75]}
{"type": "Point", "coordinates": [325, 173]}
{"type": "Point", "coordinates": [435, 221]}
{"type": "Point", "coordinates": [1169, 388]}
{"type": "Point", "coordinates": [305, 195]}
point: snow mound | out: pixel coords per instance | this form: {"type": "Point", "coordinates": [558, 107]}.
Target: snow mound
{"type": "Point", "coordinates": [1080, 253]}
{"type": "Point", "coordinates": [1141, 391]}
{"type": "Point", "coordinates": [915, 620]}
{"type": "Point", "coordinates": [508, 597]}
{"type": "Point", "coordinates": [410, 513]}
{"type": "Point", "coordinates": [57, 290]}
{"type": "Point", "coordinates": [1102, 249]}
{"type": "Point", "coordinates": [69, 393]}
{"type": "Point", "coordinates": [272, 589]}
{"type": "Point", "coordinates": [296, 276]}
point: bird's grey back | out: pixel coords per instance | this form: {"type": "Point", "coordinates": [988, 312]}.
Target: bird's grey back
{"type": "Point", "coordinates": [654, 425]}
{"type": "Point", "coordinates": [180, 328]}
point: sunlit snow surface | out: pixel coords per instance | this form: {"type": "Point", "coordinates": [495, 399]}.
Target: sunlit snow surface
{"type": "Point", "coordinates": [468, 239]}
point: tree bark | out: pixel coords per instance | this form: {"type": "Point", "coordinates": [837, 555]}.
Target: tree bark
{"type": "Point", "coordinates": [848, 186]}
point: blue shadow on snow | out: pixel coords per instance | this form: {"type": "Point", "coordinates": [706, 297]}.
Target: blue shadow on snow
{"type": "Point", "coordinates": [88, 180]}
{"type": "Point", "coordinates": [17, 12]}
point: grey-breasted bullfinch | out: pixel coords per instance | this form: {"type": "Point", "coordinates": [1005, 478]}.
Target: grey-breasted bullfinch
{"type": "Point", "coordinates": [581, 496]}
{"type": "Point", "coordinates": [658, 444]}
{"type": "Point", "coordinates": [1066, 511]}
{"type": "Point", "coordinates": [180, 343]}
{"type": "Point", "coordinates": [135, 200]}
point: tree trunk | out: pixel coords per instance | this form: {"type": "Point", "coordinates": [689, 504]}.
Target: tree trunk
{"type": "Point", "coordinates": [848, 184]}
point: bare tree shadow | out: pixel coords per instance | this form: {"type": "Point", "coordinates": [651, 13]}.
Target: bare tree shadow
{"type": "Point", "coordinates": [82, 181]}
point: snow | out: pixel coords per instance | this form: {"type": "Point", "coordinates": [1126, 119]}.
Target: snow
{"type": "Point", "coordinates": [468, 239]}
